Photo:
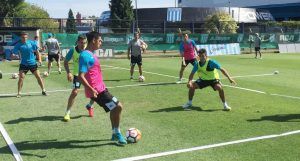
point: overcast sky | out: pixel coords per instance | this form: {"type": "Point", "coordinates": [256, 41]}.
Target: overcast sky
{"type": "Point", "coordinates": [60, 8]}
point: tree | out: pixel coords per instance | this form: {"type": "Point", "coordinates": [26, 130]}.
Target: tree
{"type": "Point", "coordinates": [6, 7]}
{"type": "Point", "coordinates": [121, 15]}
{"type": "Point", "coordinates": [71, 24]}
{"type": "Point", "coordinates": [220, 23]}
{"type": "Point", "coordinates": [34, 16]}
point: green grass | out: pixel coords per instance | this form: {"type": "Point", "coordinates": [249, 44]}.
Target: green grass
{"type": "Point", "coordinates": [34, 122]}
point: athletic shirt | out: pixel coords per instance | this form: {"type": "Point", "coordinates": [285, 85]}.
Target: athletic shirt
{"type": "Point", "coordinates": [187, 48]}
{"type": "Point", "coordinates": [74, 55]}
{"type": "Point", "coordinates": [89, 64]}
{"type": "Point", "coordinates": [257, 41]}
{"type": "Point", "coordinates": [208, 70]}
{"type": "Point", "coordinates": [52, 46]}
{"type": "Point", "coordinates": [26, 51]}
{"type": "Point", "coordinates": [135, 47]}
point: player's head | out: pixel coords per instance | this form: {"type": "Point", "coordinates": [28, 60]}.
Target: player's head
{"type": "Point", "coordinates": [185, 36]}
{"type": "Point", "coordinates": [202, 54]}
{"type": "Point", "coordinates": [256, 34]}
{"type": "Point", "coordinates": [136, 35]}
{"type": "Point", "coordinates": [94, 40]}
{"type": "Point", "coordinates": [36, 37]}
{"type": "Point", "coordinates": [50, 35]}
{"type": "Point", "coordinates": [24, 36]}
{"type": "Point", "coordinates": [81, 42]}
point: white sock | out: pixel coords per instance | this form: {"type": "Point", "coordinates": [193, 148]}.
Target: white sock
{"type": "Point", "coordinates": [190, 101]}
{"type": "Point", "coordinates": [68, 112]}
{"type": "Point", "coordinates": [225, 104]}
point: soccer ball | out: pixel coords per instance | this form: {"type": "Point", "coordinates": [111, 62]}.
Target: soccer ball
{"type": "Point", "coordinates": [46, 74]}
{"type": "Point", "coordinates": [141, 78]}
{"type": "Point", "coordinates": [15, 76]}
{"type": "Point", "coordinates": [276, 72]}
{"type": "Point", "coordinates": [133, 135]}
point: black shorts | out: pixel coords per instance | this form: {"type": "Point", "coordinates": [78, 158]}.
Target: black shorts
{"type": "Point", "coordinates": [76, 82]}
{"type": "Point", "coordinates": [187, 62]}
{"type": "Point", "coordinates": [257, 48]}
{"type": "Point", "coordinates": [26, 68]}
{"type": "Point", "coordinates": [205, 83]}
{"type": "Point", "coordinates": [136, 60]}
{"type": "Point", "coordinates": [51, 57]}
{"type": "Point", "coordinates": [106, 100]}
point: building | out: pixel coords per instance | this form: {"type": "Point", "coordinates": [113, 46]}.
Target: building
{"type": "Point", "coordinates": [280, 9]}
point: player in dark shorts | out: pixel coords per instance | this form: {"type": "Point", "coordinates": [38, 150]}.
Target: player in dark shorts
{"type": "Point", "coordinates": [53, 52]}
{"type": "Point", "coordinates": [26, 50]}
{"type": "Point", "coordinates": [208, 76]}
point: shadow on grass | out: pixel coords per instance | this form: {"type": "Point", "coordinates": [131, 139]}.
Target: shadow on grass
{"type": "Point", "coordinates": [116, 80]}
{"type": "Point", "coordinates": [279, 118]}
{"type": "Point", "coordinates": [22, 95]}
{"type": "Point", "coordinates": [57, 144]}
{"type": "Point", "coordinates": [41, 118]}
{"type": "Point", "coordinates": [179, 108]}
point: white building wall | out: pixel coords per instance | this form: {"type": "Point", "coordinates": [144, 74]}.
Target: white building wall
{"type": "Point", "coordinates": [233, 3]}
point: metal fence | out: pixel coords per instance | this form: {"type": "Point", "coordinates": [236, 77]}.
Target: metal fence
{"type": "Point", "coordinates": [145, 26]}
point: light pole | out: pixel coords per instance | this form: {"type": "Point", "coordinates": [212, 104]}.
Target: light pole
{"type": "Point", "coordinates": [136, 15]}
{"type": "Point", "coordinates": [229, 8]}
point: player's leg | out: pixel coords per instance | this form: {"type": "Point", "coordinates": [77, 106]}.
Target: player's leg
{"type": "Point", "coordinates": [71, 101]}
{"type": "Point", "coordinates": [38, 77]}
{"type": "Point", "coordinates": [50, 59]}
{"type": "Point", "coordinates": [139, 62]}
{"type": "Point", "coordinates": [57, 59]}
{"type": "Point", "coordinates": [181, 73]}
{"type": "Point", "coordinates": [255, 52]}
{"type": "Point", "coordinates": [191, 95]}
{"type": "Point", "coordinates": [259, 54]}
{"type": "Point", "coordinates": [112, 105]}
{"type": "Point", "coordinates": [22, 72]}
{"type": "Point", "coordinates": [218, 87]}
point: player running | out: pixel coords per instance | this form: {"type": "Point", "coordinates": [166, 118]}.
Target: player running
{"type": "Point", "coordinates": [135, 48]}
{"type": "Point", "coordinates": [187, 52]}
{"type": "Point", "coordinates": [26, 49]}
{"type": "Point", "coordinates": [208, 76]}
{"type": "Point", "coordinates": [90, 74]}
{"type": "Point", "coordinates": [74, 54]}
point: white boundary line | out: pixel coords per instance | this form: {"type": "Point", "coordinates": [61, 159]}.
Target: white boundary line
{"type": "Point", "coordinates": [285, 96]}
{"type": "Point", "coordinates": [208, 146]}
{"type": "Point", "coordinates": [10, 143]}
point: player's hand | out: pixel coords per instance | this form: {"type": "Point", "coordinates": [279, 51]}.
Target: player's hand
{"type": "Point", "coordinates": [95, 93]}
{"type": "Point", "coordinates": [70, 77]}
{"type": "Point", "coordinates": [232, 82]}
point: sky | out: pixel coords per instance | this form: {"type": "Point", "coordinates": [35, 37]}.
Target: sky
{"type": "Point", "coordinates": [60, 8]}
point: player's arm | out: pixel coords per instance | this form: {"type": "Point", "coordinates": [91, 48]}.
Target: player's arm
{"type": "Point", "coordinates": [15, 51]}
{"type": "Point", "coordinates": [181, 51]}
{"type": "Point", "coordinates": [66, 64]}
{"type": "Point", "coordinates": [224, 71]}
{"type": "Point", "coordinates": [195, 47]}
{"type": "Point", "coordinates": [83, 68]}
{"type": "Point", "coordinates": [128, 50]}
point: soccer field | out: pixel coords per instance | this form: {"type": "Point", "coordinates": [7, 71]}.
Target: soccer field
{"type": "Point", "coordinates": [263, 104]}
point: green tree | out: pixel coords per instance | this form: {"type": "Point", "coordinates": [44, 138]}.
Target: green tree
{"type": "Point", "coordinates": [34, 16]}
{"type": "Point", "coordinates": [121, 15]}
{"type": "Point", "coordinates": [71, 24]}
{"type": "Point", "coordinates": [7, 7]}
{"type": "Point", "coordinates": [220, 23]}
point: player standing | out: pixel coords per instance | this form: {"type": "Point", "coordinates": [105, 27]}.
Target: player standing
{"type": "Point", "coordinates": [53, 52]}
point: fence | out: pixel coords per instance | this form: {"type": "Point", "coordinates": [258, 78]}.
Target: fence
{"type": "Point", "coordinates": [171, 41]}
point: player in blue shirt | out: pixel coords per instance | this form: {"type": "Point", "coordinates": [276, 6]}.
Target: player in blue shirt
{"type": "Point", "coordinates": [26, 48]}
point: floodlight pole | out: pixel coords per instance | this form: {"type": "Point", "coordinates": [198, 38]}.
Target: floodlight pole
{"type": "Point", "coordinates": [136, 15]}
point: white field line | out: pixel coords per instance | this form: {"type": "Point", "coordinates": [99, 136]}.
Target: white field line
{"type": "Point", "coordinates": [208, 146]}
{"type": "Point", "coordinates": [285, 96]}
{"type": "Point", "coordinates": [246, 89]}
{"type": "Point", "coordinates": [10, 143]}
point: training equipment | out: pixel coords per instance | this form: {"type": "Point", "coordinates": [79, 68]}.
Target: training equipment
{"type": "Point", "coordinates": [46, 74]}
{"type": "Point", "coordinates": [133, 135]}
{"type": "Point", "coordinates": [15, 76]}
{"type": "Point", "coordinates": [144, 47]}
{"type": "Point", "coordinates": [67, 118]}
{"type": "Point", "coordinates": [141, 78]}
{"type": "Point", "coordinates": [276, 72]}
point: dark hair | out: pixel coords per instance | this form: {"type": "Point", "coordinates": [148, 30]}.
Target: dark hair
{"type": "Point", "coordinates": [35, 37]}
{"type": "Point", "coordinates": [92, 35]}
{"type": "Point", "coordinates": [81, 37]}
{"type": "Point", "coordinates": [23, 33]}
{"type": "Point", "coordinates": [202, 51]}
